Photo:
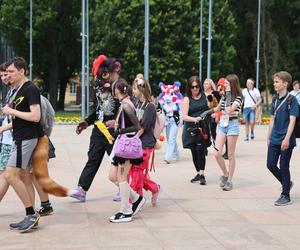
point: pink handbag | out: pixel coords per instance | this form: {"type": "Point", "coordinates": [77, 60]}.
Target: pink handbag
{"type": "Point", "coordinates": [128, 147]}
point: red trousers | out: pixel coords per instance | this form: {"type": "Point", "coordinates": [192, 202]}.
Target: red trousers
{"type": "Point", "coordinates": [138, 176]}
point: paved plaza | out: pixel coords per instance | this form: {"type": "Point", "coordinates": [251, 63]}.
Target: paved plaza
{"type": "Point", "coordinates": [188, 216]}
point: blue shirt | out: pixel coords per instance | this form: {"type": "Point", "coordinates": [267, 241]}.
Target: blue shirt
{"type": "Point", "coordinates": [282, 118]}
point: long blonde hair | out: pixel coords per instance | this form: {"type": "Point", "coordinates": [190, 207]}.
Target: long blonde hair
{"type": "Point", "coordinates": [144, 87]}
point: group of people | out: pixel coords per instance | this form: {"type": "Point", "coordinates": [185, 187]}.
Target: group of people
{"type": "Point", "coordinates": [128, 111]}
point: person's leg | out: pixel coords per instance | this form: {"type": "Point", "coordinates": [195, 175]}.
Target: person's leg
{"type": "Point", "coordinates": [246, 118]}
{"type": "Point", "coordinates": [284, 164]}
{"type": "Point", "coordinates": [252, 123]}
{"type": "Point", "coordinates": [175, 155]}
{"type": "Point", "coordinates": [168, 155]}
{"type": "Point", "coordinates": [12, 176]}
{"type": "Point", "coordinates": [272, 160]}
{"type": "Point", "coordinates": [220, 141]}
{"type": "Point", "coordinates": [95, 155]}
{"type": "Point", "coordinates": [46, 207]}
{"type": "Point", "coordinates": [4, 156]}
{"type": "Point", "coordinates": [231, 155]}
{"type": "Point", "coordinates": [25, 176]}
{"type": "Point", "coordinates": [3, 185]}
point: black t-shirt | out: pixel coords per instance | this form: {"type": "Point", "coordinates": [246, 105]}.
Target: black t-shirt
{"type": "Point", "coordinates": [27, 95]}
{"type": "Point", "coordinates": [147, 115]}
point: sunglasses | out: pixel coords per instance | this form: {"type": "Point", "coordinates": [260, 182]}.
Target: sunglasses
{"type": "Point", "coordinates": [195, 87]}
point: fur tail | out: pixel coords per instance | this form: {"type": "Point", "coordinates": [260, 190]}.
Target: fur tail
{"type": "Point", "coordinates": [40, 169]}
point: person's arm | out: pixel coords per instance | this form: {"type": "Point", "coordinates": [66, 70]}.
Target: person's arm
{"type": "Point", "coordinates": [270, 127]}
{"type": "Point", "coordinates": [235, 105]}
{"type": "Point", "coordinates": [132, 117]}
{"type": "Point", "coordinates": [286, 141]}
{"type": "Point", "coordinates": [5, 127]}
{"type": "Point", "coordinates": [34, 115]}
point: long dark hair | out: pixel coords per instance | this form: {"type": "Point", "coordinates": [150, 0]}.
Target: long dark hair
{"type": "Point", "coordinates": [144, 87]}
{"type": "Point", "coordinates": [234, 86]}
{"type": "Point", "coordinates": [192, 79]}
{"type": "Point", "coordinates": [123, 87]}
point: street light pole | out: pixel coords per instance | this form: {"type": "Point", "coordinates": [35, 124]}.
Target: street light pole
{"type": "Point", "coordinates": [209, 40]}
{"type": "Point", "coordinates": [87, 60]}
{"type": "Point", "coordinates": [201, 49]}
{"type": "Point", "coordinates": [83, 59]}
{"type": "Point", "coordinates": [257, 46]}
{"type": "Point", "coordinates": [30, 42]}
{"type": "Point", "coordinates": [146, 42]}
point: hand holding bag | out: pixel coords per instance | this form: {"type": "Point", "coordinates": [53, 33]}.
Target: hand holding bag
{"type": "Point", "coordinates": [128, 147]}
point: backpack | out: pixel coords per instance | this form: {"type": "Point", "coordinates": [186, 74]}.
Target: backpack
{"type": "Point", "coordinates": [159, 124]}
{"type": "Point", "coordinates": [47, 115]}
{"type": "Point", "coordinates": [297, 123]}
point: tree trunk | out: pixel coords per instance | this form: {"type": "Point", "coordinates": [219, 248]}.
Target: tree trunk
{"type": "Point", "coordinates": [53, 73]}
{"type": "Point", "coordinates": [62, 92]}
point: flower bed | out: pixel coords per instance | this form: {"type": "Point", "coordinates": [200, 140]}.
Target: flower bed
{"type": "Point", "coordinates": [264, 121]}
{"type": "Point", "coordinates": [67, 119]}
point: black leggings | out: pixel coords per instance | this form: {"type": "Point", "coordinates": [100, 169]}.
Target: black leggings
{"type": "Point", "coordinates": [199, 153]}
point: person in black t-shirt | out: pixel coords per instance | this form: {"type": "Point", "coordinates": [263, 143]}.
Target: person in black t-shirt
{"type": "Point", "coordinates": [24, 108]}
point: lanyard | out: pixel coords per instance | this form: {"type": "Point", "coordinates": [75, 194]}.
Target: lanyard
{"type": "Point", "coordinates": [13, 96]}
{"type": "Point", "coordinates": [276, 110]}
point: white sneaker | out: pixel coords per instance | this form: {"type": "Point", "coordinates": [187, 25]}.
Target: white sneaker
{"type": "Point", "coordinates": [120, 217]}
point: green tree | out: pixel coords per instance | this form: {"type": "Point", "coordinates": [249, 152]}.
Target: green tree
{"type": "Point", "coordinates": [56, 40]}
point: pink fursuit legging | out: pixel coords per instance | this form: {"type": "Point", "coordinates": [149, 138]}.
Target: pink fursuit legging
{"type": "Point", "coordinates": [138, 176]}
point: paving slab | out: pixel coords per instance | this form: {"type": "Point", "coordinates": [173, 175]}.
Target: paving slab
{"type": "Point", "coordinates": [187, 216]}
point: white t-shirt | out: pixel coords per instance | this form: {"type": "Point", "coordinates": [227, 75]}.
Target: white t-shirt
{"type": "Point", "coordinates": [6, 135]}
{"type": "Point", "coordinates": [248, 102]}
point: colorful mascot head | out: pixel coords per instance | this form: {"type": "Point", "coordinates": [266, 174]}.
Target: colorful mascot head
{"type": "Point", "coordinates": [103, 69]}
{"type": "Point", "coordinates": [170, 98]}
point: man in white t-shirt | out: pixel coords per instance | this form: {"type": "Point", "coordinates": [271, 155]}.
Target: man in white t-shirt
{"type": "Point", "coordinates": [252, 100]}
{"type": "Point", "coordinates": [296, 91]}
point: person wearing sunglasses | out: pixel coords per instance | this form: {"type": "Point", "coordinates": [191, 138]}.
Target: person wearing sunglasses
{"type": "Point", "coordinates": [194, 104]}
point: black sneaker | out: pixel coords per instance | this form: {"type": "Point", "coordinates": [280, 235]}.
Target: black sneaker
{"type": "Point", "coordinates": [45, 210]}
{"type": "Point", "coordinates": [196, 178]}
{"type": "Point", "coordinates": [283, 200]}
{"type": "Point", "coordinates": [136, 206]}
{"type": "Point", "coordinates": [252, 136]}
{"type": "Point", "coordinates": [202, 180]}
{"type": "Point", "coordinates": [120, 217]}
{"type": "Point", "coordinates": [30, 221]}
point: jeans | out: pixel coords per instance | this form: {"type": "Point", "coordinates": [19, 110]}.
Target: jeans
{"type": "Point", "coordinates": [282, 173]}
{"type": "Point", "coordinates": [172, 152]}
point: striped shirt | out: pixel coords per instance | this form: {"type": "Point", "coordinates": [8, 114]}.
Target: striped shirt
{"type": "Point", "coordinates": [238, 101]}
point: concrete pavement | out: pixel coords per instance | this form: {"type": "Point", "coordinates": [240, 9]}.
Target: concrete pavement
{"type": "Point", "coordinates": [188, 216]}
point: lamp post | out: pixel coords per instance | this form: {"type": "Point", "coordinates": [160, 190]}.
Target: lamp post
{"type": "Point", "coordinates": [30, 42]}
{"type": "Point", "coordinates": [209, 40]}
{"type": "Point", "coordinates": [257, 46]}
{"type": "Point", "coordinates": [83, 101]}
{"type": "Point", "coordinates": [201, 49]}
{"type": "Point", "coordinates": [146, 42]}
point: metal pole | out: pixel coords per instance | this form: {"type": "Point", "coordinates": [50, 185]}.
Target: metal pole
{"type": "Point", "coordinates": [201, 55]}
{"type": "Point", "coordinates": [82, 59]}
{"type": "Point", "coordinates": [87, 59]}
{"type": "Point", "coordinates": [209, 40]}
{"type": "Point", "coordinates": [30, 42]}
{"type": "Point", "coordinates": [146, 44]}
{"type": "Point", "coordinates": [257, 46]}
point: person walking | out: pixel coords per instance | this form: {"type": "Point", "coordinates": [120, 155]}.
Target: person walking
{"type": "Point", "coordinates": [228, 128]}
{"type": "Point", "coordinates": [25, 109]}
{"type": "Point", "coordinates": [252, 101]}
{"type": "Point", "coordinates": [281, 138]}
{"type": "Point", "coordinates": [193, 105]}
{"type": "Point", "coordinates": [126, 123]}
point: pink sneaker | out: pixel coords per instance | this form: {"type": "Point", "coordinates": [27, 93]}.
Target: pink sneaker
{"type": "Point", "coordinates": [155, 196]}
{"type": "Point", "coordinates": [117, 197]}
{"type": "Point", "coordinates": [78, 193]}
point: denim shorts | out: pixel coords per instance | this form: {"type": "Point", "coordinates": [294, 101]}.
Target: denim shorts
{"type": "Point", "coordinates": [232, 128]}
{"type": "Point", "coordinates": [249, 115]}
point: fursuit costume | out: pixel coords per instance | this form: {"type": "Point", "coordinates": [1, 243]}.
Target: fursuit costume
{"type": "Point", "coordinates": [105, 109]}
{"type": "Point", "coordinates": [170, 101]}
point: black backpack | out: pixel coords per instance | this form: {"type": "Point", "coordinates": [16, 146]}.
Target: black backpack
{"type": "Point", "coordinates": [297, 124]}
